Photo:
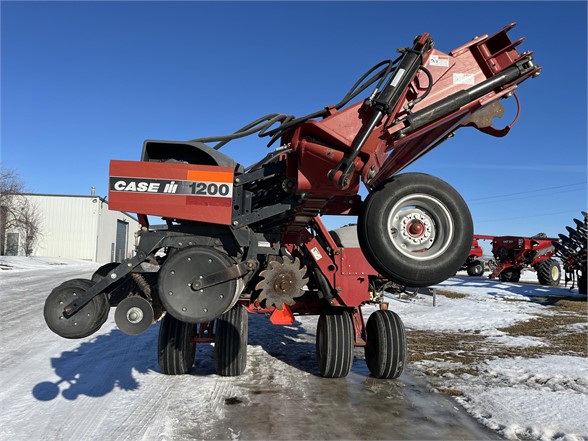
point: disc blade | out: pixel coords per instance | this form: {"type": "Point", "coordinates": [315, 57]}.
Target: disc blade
{"type": "Point", "coordinates": [134, 315]}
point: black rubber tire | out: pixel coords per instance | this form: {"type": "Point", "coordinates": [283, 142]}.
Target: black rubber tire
{"type": "Point", "coordinates": [582, 285]}
{"type": "Point", "coordinates": [230, 342]}
{"type": "Point", "coordinates": [176, 350]}
{"type": "Point", "coordinates": [476, 268]}
{"type": "Point", "coordinates": [386, 352]}
{"type": "Point", "coordinates": [442, 204]}
{"type": "Point", "coordinates": [512, 275]}
{"type": "Point", "coordinates": [90, 318]}
{"type": "Point", "coordinates": [548, 272]}
{"type": "Point", "coordinates": [335, 340]}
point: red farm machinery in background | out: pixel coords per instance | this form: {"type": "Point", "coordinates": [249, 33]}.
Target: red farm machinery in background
{"type": "Point", "coordinates": [241, 240]}
{"type": "Point", "coordinates": [474, 265]}
{"type": "Point", "coordinates": [571, 249]}
{"type": "Point", "coordinates": [512, 254]}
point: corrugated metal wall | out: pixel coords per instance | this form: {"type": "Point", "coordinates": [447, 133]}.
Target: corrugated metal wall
{"type": "Point", "coordinates": [80, 227]}
{"type": "Point", "coordinates": [107, 229]}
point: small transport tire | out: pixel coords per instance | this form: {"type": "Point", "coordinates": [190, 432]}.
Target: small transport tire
{"type": "Point", "coordinates": [476, 268]}
{"type": "Point", "coordinates": [548, 272]}
{"type": "Point", "coordinates": [230, 342]}
{"type": "Point", "coordinates": [176, 348]}
{"type": "Point", "coordinates": [386, 352]}
{"type": "Point", "coordinates": [335, 340]}
{"type": "Point", "coordinates": [415, 229]}
{"type": "Point", "coordinates": [510, 275]}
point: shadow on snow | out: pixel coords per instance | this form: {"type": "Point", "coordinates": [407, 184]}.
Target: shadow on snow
{"type": "Point", "coordinates": [109, 361]}
{"type": "Point", "coordinates": [101, 364]}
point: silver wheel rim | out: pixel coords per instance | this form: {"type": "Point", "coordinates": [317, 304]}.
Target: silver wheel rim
{"type": "Point", "coordinates": [420, 227]}
{"type": "Point", "coordinates": [554, 272]}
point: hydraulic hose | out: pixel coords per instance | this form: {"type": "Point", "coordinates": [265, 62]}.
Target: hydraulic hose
{"type": "Point", "coordinates": [286, 122]}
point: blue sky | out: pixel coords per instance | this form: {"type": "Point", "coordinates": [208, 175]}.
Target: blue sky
{"type": "Point", "coordinates": [86, 82]}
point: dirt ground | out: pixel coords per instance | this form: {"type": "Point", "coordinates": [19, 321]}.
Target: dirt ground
{"type": "Point", "coordinates": [463, 351]}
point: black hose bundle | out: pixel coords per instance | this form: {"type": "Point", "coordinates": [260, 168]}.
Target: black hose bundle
{"type": "Point", "coordinates": [263, 125]}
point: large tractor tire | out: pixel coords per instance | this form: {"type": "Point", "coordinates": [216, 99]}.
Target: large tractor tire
{"type": "Point", "coordinates": [334, 343]}
{"type": "Point", "coordinates": [230, 342]}
{"type": "Point", "coordinates": [386, 350]}
{"type": "Point", "coordinates": [176, 348]}
{"type": "Point", "coordinates": [415, 229]}
{"type": "Point", "coordinates": [548, 272]}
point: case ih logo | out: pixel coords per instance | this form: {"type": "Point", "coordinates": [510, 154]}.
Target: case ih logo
{"type": "Point", "coordinates": [169, 186]}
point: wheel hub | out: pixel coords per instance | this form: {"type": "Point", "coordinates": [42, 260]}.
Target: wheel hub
{"type": "Point", "coordinates": [416, 228]}
{"type": "Point", "coordinates": [134, 315]}
{"type": "Point", "coordinates": [420, 227]}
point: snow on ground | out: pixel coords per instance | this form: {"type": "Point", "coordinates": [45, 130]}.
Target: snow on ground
{"type": "Point", "coordinates": [535, 398]}
{"type": "Point", "coordinates": [542, 398]}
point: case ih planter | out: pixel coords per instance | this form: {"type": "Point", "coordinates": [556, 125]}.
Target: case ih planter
{"type": "Point", "coordinates": [250, 240]}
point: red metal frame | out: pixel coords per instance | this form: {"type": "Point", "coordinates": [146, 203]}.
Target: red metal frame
{"type": "Point", "coordinates": [347, 273]}
{"type": "Point", "coordinates": [385, 154]}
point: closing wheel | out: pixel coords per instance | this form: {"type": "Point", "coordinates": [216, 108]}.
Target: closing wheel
{"type": "Point", "coordinates": [230, 342]}
{"type": "Point", "coordinates": [548, 272]}
{"type": "Point", "coordinates": [415, 229]}
{"type": "Point", "coordinates": [334, 343]}
{"type": "Point", "coordinates": [83, 323]}
{"type": "Point", "coordinates": [134, 315]}
{"type": "Point", "coordinates": [176, 348]}
{"type": "Point", "coordinates": [385, 351]}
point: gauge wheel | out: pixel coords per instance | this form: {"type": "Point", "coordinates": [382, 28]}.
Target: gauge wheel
{"type": "Point", "coordinates": [83, 323]}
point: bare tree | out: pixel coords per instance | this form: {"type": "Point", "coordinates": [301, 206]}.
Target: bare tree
{"type": "Point", "coordinates": [29, 226]}
{"type": "Point", "coordinates": [17, 213]}
{"type": "Point", "coordinates": [11, 189]}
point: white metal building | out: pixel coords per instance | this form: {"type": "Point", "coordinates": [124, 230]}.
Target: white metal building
{"type": "Point", "coordinates": [81, 227]}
